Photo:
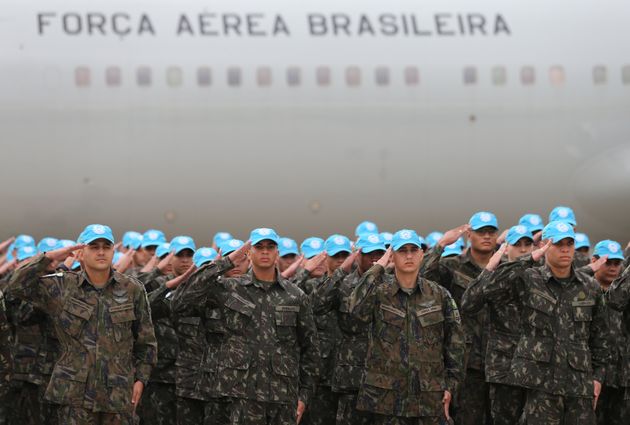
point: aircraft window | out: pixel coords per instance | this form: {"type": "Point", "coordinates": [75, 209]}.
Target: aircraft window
{"type": "Point", "coordinates": [322, 74]}
{"type": "Point", "coordinates": [470, 75]}
{"type": "Point", "coordinates": [234, 76]}
{"type": "Point", "coordinates": [412, 76]}
{"type": "Point", "coordinates": [382, 76]}
{"type": "Point", "coordinates": [528, 75]}
{"type": "Point", "coordinates": [174, 76]}
{"type": "Point", "coordinates": [600, 75]}
{"type": "Point", "coordinates": [144, 76]}
{"type": "Point", "coordinates": [556, 75]}
{"type": "Point", "coordinates": [204, 76]}
{"type": "Point", "coordinates": [113, 76]}
{"type": "Point", "coordinates": [625, 74]}
{"type": "Point", "coordinates": [499, 76]}
{"type": "Point", "coordinates": [263, 76]}
{"type": "Point", "coordinates": [293, 76]}
{"type": "Point", "coordinates": [353, 76]}
{"type": "Point", "coordinates": [82, 76]}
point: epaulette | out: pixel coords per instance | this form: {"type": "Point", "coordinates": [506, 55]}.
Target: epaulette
{"type": "Point", "coordinates": [58, 274]}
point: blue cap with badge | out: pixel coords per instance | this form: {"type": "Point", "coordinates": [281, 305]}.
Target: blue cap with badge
{"type": "Point", "coordinates": [336, 244]}
{"type": "Point", "coordinates": [483, 219]}
{"type": "Point", "coordinates": [370, 242]}
{"type": "Point", "coordinates": [582, 241]}
{"type": "Point", "coordinates": [312, 246]}
{"type": "Point", "coordinates": [433, 238]}
{"type": "Point", "coordinates": [180, 243]}
{"type": "Point", "coordinates": [365, 227]}
{"type": "Point", "coordinates": [162, 250]}
{"type": "Point", "coordinates": [25, 252]}
{"type": "Point", "coordinates": [610, 248]}
{"type": "Point", "coordinates": [132, 240]}
{"type": "Point", "coordinates": [533, 222]}
{"type": "Point", "coordinates": [65, 243]}
{"type": "Point", "coordinates": [221, 237]}
{"type": "Point", "coordinates": [94, 232]}
{"type": "Point", "coordinates": [23, 240]}
{"type": "Point", "coordinates": [387, 237]}
{"type": "Point", "coordinates": [48, 244]}
{"type": "Point", "coordinates": [263, 234]}
{"type": "Point", "coordinates": [204, 255]}
{"type": "Point", "coordinates": [229, 246]}
{"type": "Point", "coordinates": [558, 230]}
{"type": "Point", "coordinates": [563, 214]}
{"type": "Point", "coordinates": [152, 237]}
{"type": "Point", "coordinates": [404, 237]}
{"type": "Point", "coordinates": [287, 246]}
{"type": "Point", "coordinates": [456, 248]}
{"type": "Point", "coordinates": [518, 232]}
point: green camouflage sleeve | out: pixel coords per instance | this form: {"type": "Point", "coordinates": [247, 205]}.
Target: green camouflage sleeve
{"type": "Point", "coordinates": [473, 299]}
{"type": "Point", "coordinates": [145, 277]}
{"type": "Point", "coordinates": [326, 296]}
{"type": "Point", "coordinates": [598, 341]}
{"type": "Point", "coordinates": [309, 351]}
{"type": "Point", "coordinates": [145, 344]}
{"type": "Point", "coordinates": [506, 283]}
{"type": "Point", "coordinates": [618, 294]}
{"type": "Point", "coordinates": [300, 277]}
{"type": "Point", "coordinates": [25, 284]}
{"type": "Point", "coordinates": [431, 261]}
{"type": "Point", "coordinates": [363, 297]}
{"type": "Point", "coordinates": [193, 294]}
{"type": "Point", "coordinates": [454, 344]}
{"type": "Point", "coordinates": [160, 305]}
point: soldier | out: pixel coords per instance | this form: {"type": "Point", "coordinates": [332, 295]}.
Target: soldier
{"type": "Point", "coordinates": [582, 250]}
{"type": "Point", "coordinates": [151, 239]}
{"type": "Point", "coordinates": [268, 360]}
{"type": "Point", "coordinates": [415, 358]}
{"type": "Point", "coordinates": [104, 326]}
{"type": "Point", "coordinates": [313, 252]}
{"type": "Point", "coordinates": [533, 222]}
{"type": "Point", "coordinates": [612, 409]}
{"type": "Point", "coordinates": [288, 253]}
{"type": "Point", "coordinates": [562, 350]}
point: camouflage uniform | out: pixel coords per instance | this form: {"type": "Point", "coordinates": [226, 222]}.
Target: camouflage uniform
{"type": "Point", "coordinates": [563, 345]}
{"type": "Point", "coordinates": [472, 407]}
{"type": "Point", "coordinates": [352, 346]}
{"type": "Point", "coordinates": [580, 260]}
{"type": "Point", "coordinates": [106, 336]}
{"type": "Point", "coordinates": [6, 360]}
{"type": "Point", "coordinates": [49, 353]}
{"type": "Point", "coordinates": [503, 332]}
{"type": "Point", "coordinates": [416, 349]}
{"type": "Point", "coordinates": [269, 357]}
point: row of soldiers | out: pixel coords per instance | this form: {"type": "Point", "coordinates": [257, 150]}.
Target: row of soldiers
{"type": "Point", "coordinates": [368, 332]}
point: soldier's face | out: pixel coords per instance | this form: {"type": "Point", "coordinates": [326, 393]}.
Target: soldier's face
{"type": "Point", "coordinates": [182, 261]}
{"type": "Point", "coordinates": [483, 240]}
{"type": "Point", "coordinates": [609, 271]}
{"type": "Point", "coordinates": [334, 261]}
{"type": "Point", "coordinates": [285, 261]}
{"type": "Point", "coordinates": [560, 254]}
{"type": "Point", "coordinates": [98, 255]}
{"type": "Point", "coordinates": [408, 258]}
{"type": "Point", "coordinates": [523, 247]}
{"type": "Point", "coordinates": [264, 254]}
{"type": "Point", "coordinates": [367, 260]}
{"type": "Point", "coordinates": [143, 255]}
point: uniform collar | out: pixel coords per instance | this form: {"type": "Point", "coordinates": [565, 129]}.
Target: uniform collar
{"type": "Point", "coordinates": [114, 277]}
{"type": "Point", "coordinates": [548, 275]}
{"type": "Point", "coordinates": [397, 288]}
{"type": "Point", "coordinates": [250, 279]}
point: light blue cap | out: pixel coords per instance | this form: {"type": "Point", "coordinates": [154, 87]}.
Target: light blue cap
{"type": "Point", "coordinates": [116, 257]}
{"type": "Point", "coordinates": [558, 230]}
{"type": "Point", "coordinates": [230, 246]}
{"type": "Point", "coordinates": [582, 241]}
{"type": "Point", "coordinates": [387, 237]}
{"type": "Point", "coordinates": [336, 244]}
{"type": "Point", "coordinates": [263, 234]}
{"type": "Point", "coordinates": [287, 246]}
{"type": "Point", "coordinates": [369, 242]}
{"type": "Point", "coordinates": [220, 237]}
{"type": "Point", "coordinates": [204, 255]}
{"type": "Point", "coordinates": [456, 248]}
{"type": "Point", "coordinates": [10, 253]}
{"type": "Point", "coordinates": [312, 246]}
{"type": "Point", "coordinates": [611, 248]}
{"type": "Point", "coordinates": [533, 222]}
{"type": "Point", "coordinates": [561, 213]}
{"type": "Point", "coordinates": [404, 237]}
{"type": "Point", "coordinates": [483, 219]}
{"type": "Point", "coordinates": [65, 243]}
{"type": "Point", "coordinates": [25, 252]}
{"type": "Point", "coordinates": [152, 237]}
{"type": "Point", "coordinates": [518, 232]}
{"type": "Point", "coordinates": [93, 232]}
{"type": "Point", "coordinates": [433, 238]}
{"type": "Point", "coordinates": [48, 244]}
{"type": "Point", "coordinates": [132, 240]}
{"type": "Point", "coordinates": [23, 240]}
{"type": "Point", "coordinates": [180, 243]}
{"type": "Point", "coordinates": [75, 266]}
{"type": "Point", "coordinates": [423, 242]}
{"type": "Point", "coordinates": [365, 227]}
{"type": "Point", "coordinates": [163, 249]}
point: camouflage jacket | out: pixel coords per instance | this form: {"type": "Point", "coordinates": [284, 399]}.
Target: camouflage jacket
{"type": "Point", "coordinates": [563, 345]}
{"type": "Point", "coordinates": [6, 359]}
{"type": "Point", "coordinates": [28, 341]}
{"type": "Point", "coordinates": [455, 274]}
{"type": "Point", "coordinates": [618, 303]}
{"type": "Point", "coordinates": [106, 335]}
{"type": "Point", "coordinates": [270, 351]}
{"type": "Point", "coordinates": [416, 348]}
{"type": "Point", "coordinates": [351, 350]}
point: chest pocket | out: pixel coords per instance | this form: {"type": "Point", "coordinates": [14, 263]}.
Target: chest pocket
{"type": "Point", "coordinates": [74, 316]}
{"type": "Point", "coordinates": [238, 312]}
{"type": "Point", "coordinates": [214, 321]}
{"type": "Point", "coordinates": [188, 326]}
{"type": "Point", "coordinates": [392, 323]}
{"type": "Point", "coordinates": [460, 284]}
{"type": "Point", "coordinates": [539, 309]}
{"type": "Point", "coordinates": [286, 322]}
{"type": "Point", "coordinates": [431, 321]}
{"type": "Point", "coordinates": [583, 310]}
{"type": "Point", "coordinates": [122, 318]}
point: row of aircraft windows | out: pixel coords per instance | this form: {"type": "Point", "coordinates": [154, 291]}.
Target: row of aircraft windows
{"type": "Point", "coordinates": [352, 76]}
